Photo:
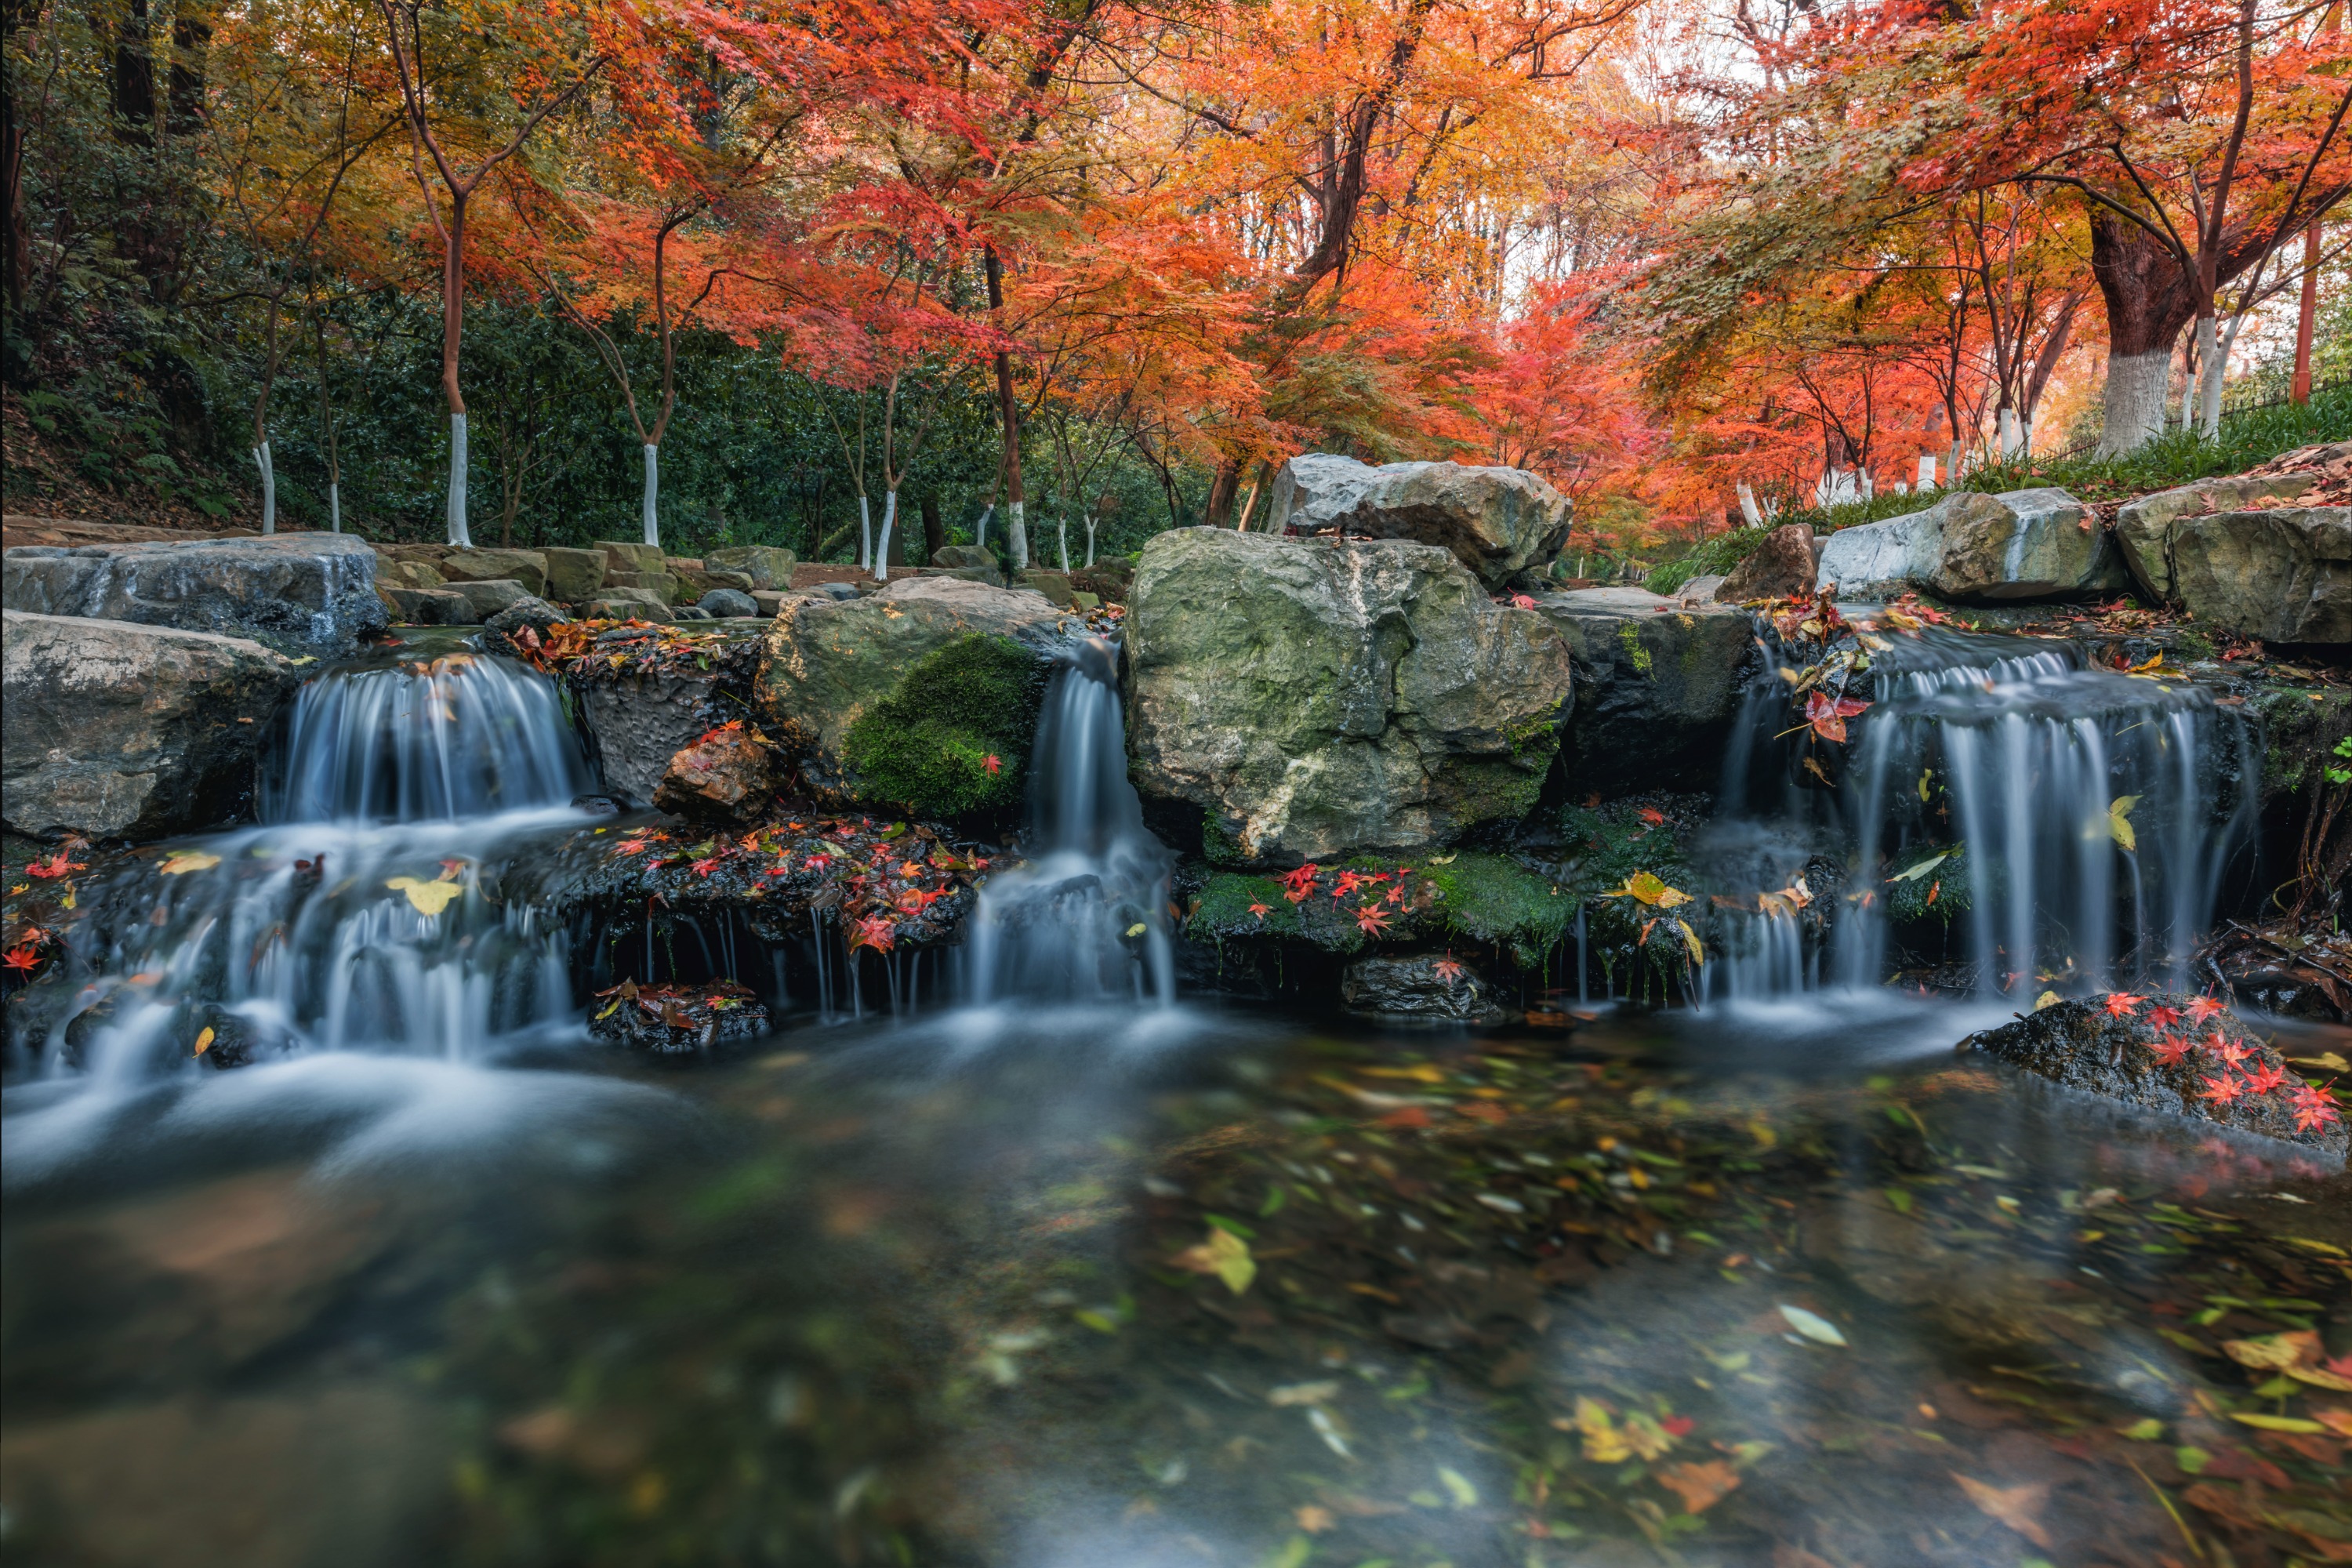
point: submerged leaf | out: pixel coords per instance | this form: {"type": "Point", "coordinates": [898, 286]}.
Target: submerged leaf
{"type": "Point", "coordinates": [1812, 1325]}
{"type": "Point", "coordinates": [2119, 826]}
{"type": "Point", "coordinates": [429, 897]}
{"type": "Point", "coordinates": [2014, 1506]}
{"type": "Point", "coordinates": [183, 861]}
{"type": "Point", "coordinates": [1224, 1255]}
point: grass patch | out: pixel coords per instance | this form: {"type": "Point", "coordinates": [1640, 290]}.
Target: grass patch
{"type": "Point", "coordinates": [954, 738]}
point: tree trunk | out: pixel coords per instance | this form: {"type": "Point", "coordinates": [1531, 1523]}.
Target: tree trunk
{"type": "Point", "coordinates": [1222, 490]}
{"type": "Point", "coordinates": [2148, 299]}
{"type": "Point", "coordinates": [458, 536]}
{"type": "Point", "coordinates": [865, 535]}
{"type": "Point", "coordinates": [2011, 440]}
{"type": "Point", "coordinates": [980, 529]}
{"type": "Point", "coordinates": [453, 327]}
{"type": "Point", "coordinates": [650, 513]}
{"type": "Point", "coordinates": [268, 490]}
{"type": "Point", "coordinates": [882, 546]}
{"type": "Point", "coordinates": [1062, 535]}
{"type": "Point", "coordinates": [2211, 363]}
{"type": "Point", "coordinates": [935, 533]}
{"type": "Point", "coordinates": [1016, 528]}
{"type": "Point", "coordinates": [2299, 392]}
{"type": "Point", "coordinates": [327, 435]}
{"type": "Point", "coordinates": [1091, 541]}
{"type": "Point", "coordinates": [1009, 416]}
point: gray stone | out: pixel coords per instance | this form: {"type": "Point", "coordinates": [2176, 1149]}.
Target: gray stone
{"type": "Point", "coordinates": [573, 576]}
{"type": "Point", "coordinates": [1970, 547]}
{"type": "Point", "coordinates": [769, 566]}
{"type": "Point", "coordinates": [727, 603]}
{"type": "Point", "coordinates": [624, 555]}
{"type": "Point", "coordinates": [527, 567]}
{"type": "Point", "coordinates": [1413, 988]}
{"type": "Point", "coordinates": [963, 556]}
{"type": "Point", "coordinates": [1499, 522]}
{"type": "Point", "coordinates": [310, 592]}
{"type": "Point", "coordinates": [2144, 527]}
{"type": "Point", "coordinates": [430, 607]}
{"type": "Point", "coordinates": [825, 662]}
{"type": "Point", "coordinates": [640, 721]}
{"type": "Point", "coordinates": [1314, 698]}
{"type": "Point", "coordinates": [1781, 567]}
{"type": "Point", "coordinates": [2283, 576]}
{"type": "Point", "coordinates": [498, 632]}
{"type": "Point", "coordinates": [487, 599]}
{"type": "Point", "coordinates": [627, 604]}
{"type": "Point", "coordinates": [1700, 590]}
{"type": "Point", "coordinates": [1055, 586]}
{"type": "Point", "coordinates": [1658, 688]}
{"type": "Point", "coordinates": [122, 730]}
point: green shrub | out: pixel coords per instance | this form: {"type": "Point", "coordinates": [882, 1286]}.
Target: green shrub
{"type": "Point", "coordinates": [928, 746]}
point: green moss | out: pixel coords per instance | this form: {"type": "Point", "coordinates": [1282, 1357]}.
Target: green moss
{"type": "Point", "coordinates": [1631, 636]}
{"type": "Point", "coordinates": [1952, 883]}
{"type": "Point", "coordinates": [1470, 895]}
{"type": "Point", "coordinates": [2300, 731]}
{"type": "Point", "coordinates": [928, 746]}
{"type": "Point", "coordinates": [1609, 844]}
{"type": "Point", "coordinates": [2192, 645]}
{"type": "Point", "coordinates": [1218, 844]}
{"type": "Point", "coordinates": [1493, 899]}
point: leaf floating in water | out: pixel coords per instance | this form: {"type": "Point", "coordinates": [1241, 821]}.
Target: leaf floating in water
{"type": "Point", "coordinates": [1302, 1392]}
{"type": "Point", "coordinates": [1700, 1486]}
{"type": "Point", "coordinates": [2119, 826]}
{"type": "Point", "coordinates": [429, 897]}
{"type": "Point", "coordinates": [183, 861]}
{"type": "Point", "coordinates": [1224, 1255]}
{"type": "Point", "coordinates": [1458, 1485]}
{"type": "Point", "coordinates": [205, 1041]}
{"type": "Point", "coordinates": [1812, 1325]}
{"type": "Point", "coordinates": [1137, 929]}
{"type": "Point", "coordinates": [2014, 1506]}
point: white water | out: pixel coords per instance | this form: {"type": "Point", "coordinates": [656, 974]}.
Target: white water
{"type": "Point", "coordinates": [290, 937]}
{"type": "Point", "coordinates": [2025, 751]}
{"type": "Point", "coordinates": [1085, 919]}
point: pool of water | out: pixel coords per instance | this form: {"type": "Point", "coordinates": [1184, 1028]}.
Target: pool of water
{"type": "Point", "coordinates": [1051, 1287]}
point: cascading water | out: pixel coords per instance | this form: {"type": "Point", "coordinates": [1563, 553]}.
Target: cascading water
{"type": "Point", "coordinates": [1083, 920]}
{"type": "Point", "coordinates": [357, 916]}
{"type": "Point", "coordinates": [2080, 820]}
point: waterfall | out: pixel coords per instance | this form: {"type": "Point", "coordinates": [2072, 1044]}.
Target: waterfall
{"type": "Point", "coordinates": [363, 914]}
{"type": "Point", "coordinates": [2075, 823]}
{"type": "Point", "coordinates": [1085, 919]}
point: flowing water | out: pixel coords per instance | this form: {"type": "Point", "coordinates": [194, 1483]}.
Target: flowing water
{"type": "Point", "coordinates": [1077, 1273]}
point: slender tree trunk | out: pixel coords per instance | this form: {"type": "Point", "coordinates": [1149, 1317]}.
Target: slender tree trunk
{"type": "Point", "coordinates": [980, 529]}
{"type": "Point", "coordinates": [2306, 313]}
{"type": "Point", "coordinates": [1222, 490]}
{"type": "Point", "coordinates": [1090, 539]}
{"type": "Point", "coordinates": [1249, 503]}
{"type": "Point", "coordinates": [935, 533]}
{"type": "Point", "coordinates": [268, 490]}
{"type": "Point", "coordinates": [327, 432]}
{"type": "Point", "coordinates": [1062, 535]}
{"type": "Point", "coordinates": [865, 534]}
{"type": "Point", "coordinates": [651, 512]}
{"type": "Point", "coordinates": [261, 424]}
{"type": "Point", "coordinates": [882, 546]}
{"type": "Point", "coordinates": [2211, 366]}
{"type": "Point", "coordinates": [1016, 525]}
{"type": "Point", "coordinates": [453, 327]}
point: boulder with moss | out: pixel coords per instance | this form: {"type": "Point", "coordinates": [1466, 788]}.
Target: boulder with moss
{"type": "Point", "coordinates": [2240, 556]}
{"type": "Point", "coordinates": [1314, 698]}
{"type": "Point", "coordinates": [923, 695]}
{"type": "Point", "coordinates": [1491, 901]}
{"type": "Point", "coordinates": [1658, 688]}
{"type": "Point", "coordinates": [1499, 522]}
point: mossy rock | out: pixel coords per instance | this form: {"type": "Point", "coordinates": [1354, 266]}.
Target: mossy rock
{"type": "Point", "coordinates": [1945, 892]}
{"type": "Point", "coordinates": [954, 738]}
{"type": "Point", "coordinates": [1470, 895]}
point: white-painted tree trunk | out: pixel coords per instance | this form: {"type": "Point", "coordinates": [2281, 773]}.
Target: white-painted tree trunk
{"type": "Point", "coordinates": [458, 536]}
{"type": "Point", "coordinates": [2214, 367]}
{"type": "Point", "coordinates": [1016, 537]}
{"type": "Point", "coordinates": [882, 547]}
{"type": "Point", "coordinates": [652, 517]}
{"type": "Point", "coordinates": [865, 534]}
{"type": "Point", "coordinates": [268, 488]}
{"type": "Point", "coordinates": [334, 507]}
{"type": "Point", "coordinates": [980, 530]}
{"type": "Point", "coordinates": [2133, 408]}
{"type": "Point", "coordinates": [2009, 441]}
{"type": "Point", "coordinates": [1868, 483]}
{"type": "Point", "coordinates": [1749, 509]}
{"type": "Point", "coordinates": [1062, 534]}
{"type": "Point", "coordinates": [1090, 541]}
{"type": "Point", "coordinates": [1927, 470]}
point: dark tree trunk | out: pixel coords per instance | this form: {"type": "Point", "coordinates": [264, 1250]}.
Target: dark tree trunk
{"type": "Point", "coordinates": [191, 36]}
{"type": "Point", "coordinates": [1222, 490]}
{"type": "Point", "coordinates": [935, 535]}
{"type": "Point", "coordinates": [134, 78]}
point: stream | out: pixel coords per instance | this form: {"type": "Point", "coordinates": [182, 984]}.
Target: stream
{"type": "Point", "coordinates": [1059, 1266]}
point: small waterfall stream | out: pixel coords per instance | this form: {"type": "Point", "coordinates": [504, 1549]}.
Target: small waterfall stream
{"type": "Point", "coordinates": [2082, 822]}
{"type": "Point", "coordinates": [356, 916]}
{"type": "Point", "coordinates": [1084, 919]}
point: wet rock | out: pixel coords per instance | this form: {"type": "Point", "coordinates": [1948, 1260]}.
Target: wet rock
{"type": "Point", "coordinates": [727, 774]}
{"type": "Point", "coordinates": [627, 604]}
{"type": "Point", "coordinates": [951, 670]}
{"type": "Point", "coordinates": [1658, 688]}
{"type": "Point", "coordinates": [1429, 986]}
{"type": "Point", "coordinates": [672, 1020]}
{"type": "Point", "coordinates": [769, 566]}
{"type": "Point", "coordinates": [629, 556]}
{"type": "Point", "coordinates": [132, 732]}
{"type": "Point", "coordinates": [1970, 547]}
{"type": "Point", "coordinates": [429, 607]}
{"type": "Point", "coordinates": [1498, 522]}
{"type": "Point", "coordinates": [1055, 586]}
{"type": "Point", "coordinates": [1315, 697]}
{"type": "Point", "coordinates": [498, 632]}
{"type": "Point", "coordinates": [2282, 574]}
{"type": "Point", "coordinates": [484, 600]}
{"type": "Point", "coordinates": [727, 603]}
{"type": "Point", "coordinates": [641, 721]}
{"type": "Point", "coordinates": [2171, 1065]}
{"type": "Point", "coordinates": [573, 576]}
{"type": "Point", "coordinates": [526, 567]}
{"type": "Point", "coordinates": [307, 592]}
{"type": "Point", "coordinates": [1780, 568]}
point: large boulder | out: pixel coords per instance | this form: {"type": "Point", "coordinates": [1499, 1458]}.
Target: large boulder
{"type": "Point", "coordinates": [573, 576]}
{"type": "Point", "coordinates": [429, 607]}
{"type": "Point", "coordinates": [1781, 567]}
{"type": "Point", "coordinates": [132, 732]}
{"type": "Point", "coordinates": [1970, 547]}
{"type": "Point", "coordinates": [924, 693]}
{"type": "Point", "coordinates": [769, 566]}
{"type": "Point", "coordinates": [527, 567]}
{"type": "Point", "coordinates": [313, 594]}
{"type": "Point", "coordinates": [1658, 688]}
{"type": "Point", "coordinates": [2230, 553]}
{"type": "Point", "coordinates": [1499, 522]}
{"type": "Point", "coordinates": [1315, 697]}
{"type": "Point", "coordinates": [486, 599]}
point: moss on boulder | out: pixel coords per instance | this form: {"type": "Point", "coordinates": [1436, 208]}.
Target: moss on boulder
{"type": "Point", "coordinates": [954, 737]}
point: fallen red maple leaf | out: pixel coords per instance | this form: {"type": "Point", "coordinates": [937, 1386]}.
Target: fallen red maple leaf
{"type": "Point", "coordinates": [2262, 1077]}
{"type": "Point", "coordinates": [1449, 969]}
{"type": "Point", "coordinates": [2222, 1091]}
{"type": "Point", "coordinates": [2162, 1018]}
{"type": "Point", "coordinates": [2172, 1050]}
{"type": "Point", "coordinates": [23, 958]}
{"type": "Point", "coordinates": [1368, 917]}
{"type": "Point", "coordinates": [2123, 1004]}
{"type": "Point", "coordinates": [2204, 1007]}
{"type": "Point", "coordinates": [55, 864]}
{"type": "Point", "coordinates": [993, 762]}
{"type": "Point", "coordinates": [1259, 910]}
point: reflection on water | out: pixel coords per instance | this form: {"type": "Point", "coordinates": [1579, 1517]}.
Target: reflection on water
{"type": "Point", "coordinates": [1775, 1286]}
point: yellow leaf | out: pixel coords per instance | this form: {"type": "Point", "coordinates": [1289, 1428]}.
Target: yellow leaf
{"type": "Point", "coordinates": [2119, 821]}
{"type": "Point", "coordinates": [1603, 1443]}
{"type": "Point", "coordinates": [2276, 1423]}
{"type": "Point", "coordinates": [2275, 1353]}
{"type": "Point", "coordinates": [429, 897]}
{"type": "Point", "coordinates": [1921, 869]}
{"type": "Point", "coordinates": [1137, 929]}
{"type": "Point", "coordinates": [1224, 1255]}
{"type": "Point", "coordinates": [205, 1041]}
{"type": "Point", "coordinates": [1690, 940]}
{"type": "Point", "coordinates": [1648, 888]}
{"type": "Point", "coordinates": [2327, 1061]}
{"type": "Point", "coordinates": [183, 861]}
{"type": "Point", "coordinates": [2047, 999]}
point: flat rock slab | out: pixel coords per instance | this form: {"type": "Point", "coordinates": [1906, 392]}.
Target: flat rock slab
{"type": "Point", "coordinates": [1317, 697]}
{"type": "Point", "coordinates": [2130, 1057]}
{"type": "Point", "coordinates": [131, 731]}
{"type": "Point", "coordinates": [308, 594]}
{"type": "Point", "coordinates": [1658, 687]}
{"type": "Point", "coordinates": [1498, 522]}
